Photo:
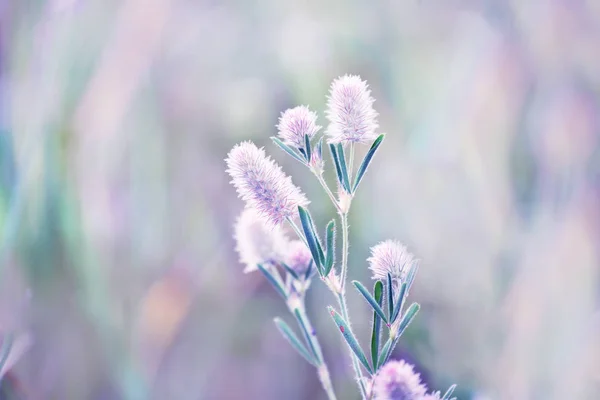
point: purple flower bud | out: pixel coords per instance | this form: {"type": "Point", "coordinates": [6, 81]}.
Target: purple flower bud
{"type": "Point", "coordinates": [256, 242]}
{"type": "Point", "coordinates": [297, 257]}
{"type": "Point", "coordinates": [397, 380]}
{"type": "Point", "coordinates": [350, 111]}
{"type": "Point", "coordinates": [390, 257]}
{"type": "Point", "coordinates": [296, 122]}
{"type": "Point", "coordinates": [262, 184]}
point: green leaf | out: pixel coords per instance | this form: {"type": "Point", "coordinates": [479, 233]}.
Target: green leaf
{"type": "Point", "coordinates": [311, 237]}
{"type": "Point", "coordinates": [410, 278]}
{"type": "Point", "coordinates": [290, 271]}
{"type": "Point", "coordinates": [275, 281]}
{"type": "Point", "coordinates": [291, 337]}
{"type": "Point", "coordinates": [309, 270]}
{"type": "Point", "coordinates": [336, 163]}
{"type": "Point", "coordinates": [370, 300]}
{"type": "Point", "coordinates": [7, 344]}
{"type": "Point", "coordinates": [307, 147]}
{"type": "Point", "coordinates": [350, 339]}
{"type": "Point", "coordinates": [385, 353]}
{"type": "Point", "coordinates": [342, 158]}
{"type": "Point", "coordinates": [399, 302]}
{"type": "Point", "coordinates": [330, 243]}
{"type": "Point", "coordinates": [408, 317]}
{"type": "Point", "coordinates": [390, 295]}
{"type": "Point", "coordinates": [449, 392]}
{"type": "Point", "coordinates": [376, 334]}
{"type": "Point", "coordinates": [319, 149]}
{"type": "Point", "coordinates": [307, 334]}
{"type": "Point", "coordinates": [287, 149]}
{"type": "Point", "coordinates": [366, 161]}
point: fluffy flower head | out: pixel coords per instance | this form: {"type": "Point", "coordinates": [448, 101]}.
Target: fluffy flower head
{"type": "Point", "coordinates": [256, 242]}
{"type": "Point", "coordinates": [350, 111]}
{"type": "Point", "coordinates": [297, 256]}
{"type": "Point", "coordinates": [397, 380]}
{"type": "Point", "coordinates": [296, 122]}
{"type": "Point", "coordinates": [262, 184]}
{"type": "Point", "coordinates": [390, 257]}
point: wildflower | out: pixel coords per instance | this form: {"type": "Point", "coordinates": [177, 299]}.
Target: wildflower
{"type": "Point", "coordinates": [350, 111]}
{"type": "Point", "coordinates": [397, 380]}
{"type": "Point", "coordinates": [262, 184]}
{"type": "Point", "coordinates": [433, 396]}
{"type": "Point", "coordinates": [298, 257]}
{"type": "Point", "coordinates": [296, 122]}
{"type": "Point", "coordinates": [390, 257]}
{"type": "Point", "coordinates": [256, 242]}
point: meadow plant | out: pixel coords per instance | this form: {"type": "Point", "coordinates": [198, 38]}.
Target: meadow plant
{"type": "Point", "coordinates": [272, 200]}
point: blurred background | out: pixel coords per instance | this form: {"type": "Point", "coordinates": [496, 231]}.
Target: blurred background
{"type": "Point", "coordinates": [118, 278]}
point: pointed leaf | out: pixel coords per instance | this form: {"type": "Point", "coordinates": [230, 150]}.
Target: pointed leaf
{"type": "Point", "coordinates": [291, 337]}
{"type": "Point", "coordinates": [350, 339]}
{"type": "Point", "coordinates": [311, 237]}
{"type": "Point", "coordinates": [390, 295]}
{"type": "Point", "coordinates": [370, 300]}
{"type": "Point", "coordinates": [290, 271]}
{"type": "Point", "coordinates": [399, 302]}
{"type": "Point", "coordinates": [287, 149]}
{"type": "Point", "coordinates": [336, 163]}
{"type": "Point", "coordinates": [376, 333]}
{"type": "Point", "coordinates": [410, 277]}
{"type": "Point", "coordinates": [307, 334]}
{"type": "Point", "coordinates": [366, 161]}
{"type": "Point", "coordinates": [342, 158]}
{"type": "Point", "coordinates": [309, 270]}
{"type": "Point", "coordinates": [385, 353]}
{"type": "Point", "coordinates": [330, 243]}
{"type": "Point", "coordinates": [307, 147]}
{"type": "Point", "coordinates": [319, 149]}
{"type": "Point", "coordinates": [274, 280]}
{"type": "Point", "coordinates": [449, 392]}
{"type": "Point", "coordinates": [408, 317]}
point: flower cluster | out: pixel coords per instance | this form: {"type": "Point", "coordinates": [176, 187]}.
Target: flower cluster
{"type": "Point", "coordinates": [390, 257]}
{"type": "Point", "coordinates": [295, 123]}
{"type": "Point", "coordinates": [397, 380]}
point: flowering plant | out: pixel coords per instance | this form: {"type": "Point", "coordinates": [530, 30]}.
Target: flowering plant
{"type": "Point", "coordinates": [273, 200]}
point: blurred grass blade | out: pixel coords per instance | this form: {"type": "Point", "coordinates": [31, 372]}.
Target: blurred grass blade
{"type": "Point", "coordinates": [342, 158]}
{"type": "Point", "coordinates": [7, 343]}
{"type": "Point", "coordinates": [290, 270]}
{"type": "Point", "coordinates": [366, 161]}
{"type": "Point", "coordinates": [309, 270]}
{"type": "Point", "coordinates": [287, 149]}
{"type": "Point", "coordinates": [350, 339]}
{"type": "Point", "coordinates": [410, 277]}
{"type": "Point", "coordinates": [399, 302]}
{"type": "Point", "coordinates": [307, 148]}
{"type": "Point", "coordinates": [275, 281]}
{"type": "Point", "coordinates": [307, 334]}
{"type": "Point", "coordinates": [376, 333]}
{"type": "Point", "coordinates": [390, 295]}
{"type": "Point", "coordinates": [311, 237]}
{"type": "Point", "coordinates": [449, 392]}
{"type": "Point", "coordinates": [336, 163]}
{"type": "Point", "coordinates": [370, 300]}
{"type": "Point", "coordinates": [289, 335]}
{"type": "Point", "coordinates": [330, 247]}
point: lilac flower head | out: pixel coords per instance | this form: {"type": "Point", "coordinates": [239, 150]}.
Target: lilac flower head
{"type": "Point", "coordinates": [433, 396]}
{"type": "Point", "coordinates": [297, 256]}
{"type": "Point", "coordinates": [256, 242]}
{"type": "Point", "coordinates": [397, 380]}
{"type": "Point", "coordinates": [296, 122]}
{"type": "Point", "coordinates": [262, 184]}
{"type": "Point", "coordinates": [350, 111]}
{"type": "Point", "coordinates": [390, 257]}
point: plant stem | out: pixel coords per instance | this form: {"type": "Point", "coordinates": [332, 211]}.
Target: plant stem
{"type": "Point", "coordinates": [327, 190]}
{"type": "Point", "coordinates": [345, 250]}
{"type": "Point", "coordinates": [341, 297]}
{"type": "Point", "coordinates": [311, 337]}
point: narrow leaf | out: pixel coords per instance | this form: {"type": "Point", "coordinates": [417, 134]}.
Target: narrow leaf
{"type": "Point", "coordinates": [366, 161]}
{"type": "Point", "coordinates": [370, 300]}
{"type": "Point", "coordinates": [309, 270]}
{"type": "Point", "coordinates": [410, 277]}
{"type": "Point", "coordinates": [408, 317]}
{"type": "Point", "coordinates": [376, 334]}
{"type": "Point", "coordinates": [319, 149]}
{"type": "Point", "coordinates": [399, 302]}
{"type": "Point", "coordinates": [7, 343]}
{"type": "Point", "coordinates": [342, 158]}
{"type": "Point", "coordinates": [291, 337]}
{"type": "Point", "coordinates": [307, 334]}
{"type": "Point", "coordinates": [290, 271]}
{"type": "Point", "coordinates": [449, 392]}
{"type": "Point", "coordinates": [287, 149]}
{"type": "Point", "coordinates": [275, 281]}
{"type": "Point", "coordinates": [350, 339]}
{"type": "Point", "coordinates": [385, 353]}
{"type": "Point", "coordinates": [330, 243]}
{"type": "Point", "coordinates": [311, 237]}
{"type": "Point", "coordinates": [390, 295]}
{"type": "Point", "coordinates": [307, 147]}
{"type": "Point", "coordinates": [319, 246]}
{"type": "Point", "coordinates": [336, 163]}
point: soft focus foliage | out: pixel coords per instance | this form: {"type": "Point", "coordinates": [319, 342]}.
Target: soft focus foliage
{"type": "Point", "coordinates": [117, 258]}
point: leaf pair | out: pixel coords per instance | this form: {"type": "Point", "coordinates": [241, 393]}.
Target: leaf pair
{"type": "Point", "coordinates": [350, 338]}
{"type": "Point", "coordinates": [323, 259]}
{"type": "Point", "coordinates": [302, 154]}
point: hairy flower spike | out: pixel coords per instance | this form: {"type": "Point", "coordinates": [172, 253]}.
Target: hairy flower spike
{"type": "Point", "coordinates": [390, 257]}
{"type": "Point", "coordinates": [256, 242]}
{"type": "Point", "coordinates": [350, 111]}
{"type": "Point", "coordinates": [397, 380]}
{"type": "Point", "coordinates": [262, 184]}
{"type": "Point", "coordinates": [296, 122]}
{"type": "Point", "coordinates": [297, 256]}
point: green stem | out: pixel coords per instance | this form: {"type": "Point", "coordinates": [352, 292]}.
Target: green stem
{"type": "Point", "coordinates": [297, 230]}
{"type": "Point", "coordinates": [327, 190]}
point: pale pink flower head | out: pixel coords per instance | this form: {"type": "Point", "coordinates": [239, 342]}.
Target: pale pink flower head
{"type": "Point", "coordinates": [397, 380]}
{"type": "Point", "coordinates": [296, 122]}
{"type": "Point", "coordinates": [433, 396]}
{"type": "Point", "coordinates": [390, 257]}
{"type": "Point", "coordinates": [350, 111]}
{"type": "Point", "coordinates": [298, 257]}
{"type": "Point", "coordinates": [262, 184]}
{"type": "Point", "coordinates": [257, 242]}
